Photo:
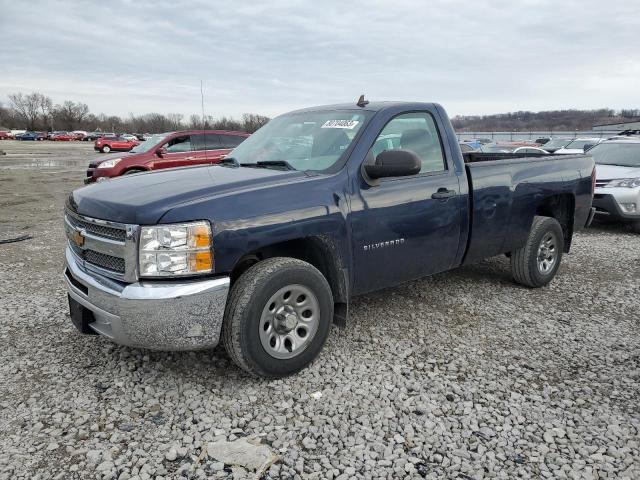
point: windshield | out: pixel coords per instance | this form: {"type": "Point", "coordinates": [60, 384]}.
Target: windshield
{"type": "Point", "coordinates": [623, 154]}
{"type": "Point", "coordinates": [149, 143]}
{"type": "Point", "coordinates": [556, 143]}
{"type": "Point", "coordinates": [312, 140]}
{"type": "Point", "coordinates": [579, 144]}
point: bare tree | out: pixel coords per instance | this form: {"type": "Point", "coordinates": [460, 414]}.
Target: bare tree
{"type": "Point", "coordinates": [71, 114]}
{"type": "Point", "coordinates": [175, 121]}
{"type": "Point", "coordinates": [224, 123]}
{"type": "Point", "coordinates": [46, 109]}
{"type": "Point", "coordinates": [194, 121]}
{"type": "Point", "coordinates": [29, 107]}
{"type": "Point", "coordinates": [4, 115]}
{"type": "Point", "coordinates": [630, 113]}
{"type": "Point", "coordinates": [252, 122]}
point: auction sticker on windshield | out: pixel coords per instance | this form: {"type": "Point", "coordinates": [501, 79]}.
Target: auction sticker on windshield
{"type": "Point", "coordinates": [349, 124]}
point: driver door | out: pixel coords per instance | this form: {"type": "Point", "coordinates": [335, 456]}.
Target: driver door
{"type": "Point", "coordinates": [178, 153]}
{"type": "Point", "coordinates": [406, 227]}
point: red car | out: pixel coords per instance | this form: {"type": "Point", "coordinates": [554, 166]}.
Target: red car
{"type": "Point", "coordinates": [116, 144]}
{"type": "Point", "coordinates": [5, 135]}
{"type": "Point", "coordinates": [167, 150]}
{"type": "Point", "coordinates": [63, 137]}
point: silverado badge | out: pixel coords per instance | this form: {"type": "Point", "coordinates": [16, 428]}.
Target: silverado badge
{"type": "Point", "coordinates": [388, 243]}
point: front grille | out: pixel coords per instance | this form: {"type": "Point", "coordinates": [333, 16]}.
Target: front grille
{"type": "Point", "coordinates": [115, 264]}
{"type": "Point", "coordinates": [104, 231]}
{"type": "Point", "coordinates": [102, 260]}
{"type": "Point", "coordinates": [100, 244]}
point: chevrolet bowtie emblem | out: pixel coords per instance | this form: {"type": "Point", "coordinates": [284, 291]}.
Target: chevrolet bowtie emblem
{"type": "Point", "coordinates": [78, 238]}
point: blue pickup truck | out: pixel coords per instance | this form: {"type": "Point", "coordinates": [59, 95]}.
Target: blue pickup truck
{"type": "Point", "coordinates": [264, 251]}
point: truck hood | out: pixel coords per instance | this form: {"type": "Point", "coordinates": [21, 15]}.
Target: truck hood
{"type": "Point", "coordinates": [144, 198]}
{"type": "Point", "coordinates": [613, 172]}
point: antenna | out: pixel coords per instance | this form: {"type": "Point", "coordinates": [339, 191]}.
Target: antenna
{"type": "Point", "coordinates": [362, 102]}
{"type": "Point", "coordinates": [204, 136]}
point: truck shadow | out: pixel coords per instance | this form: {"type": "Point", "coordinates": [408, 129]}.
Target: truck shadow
{"type": "Point", "coordinates": [599, 226]}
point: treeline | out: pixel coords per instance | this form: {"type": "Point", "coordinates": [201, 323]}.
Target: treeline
{"type": "Point", "coordinates": [37, 112]}
{"type": "Point", "coordinates": [543, 121]}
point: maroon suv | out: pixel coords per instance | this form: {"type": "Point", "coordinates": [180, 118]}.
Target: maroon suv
{"type": "Point", "coordinates": [167, 150]}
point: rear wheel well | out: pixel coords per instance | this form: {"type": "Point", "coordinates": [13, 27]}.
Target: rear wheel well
{"type": "Point", "coordinates": [319, 251]}
{"type": "Point", "coordinates": [562, 208]}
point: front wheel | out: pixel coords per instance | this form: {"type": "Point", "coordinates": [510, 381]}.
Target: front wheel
{"type": "Point", "coordinates": [278, 317]}
{"type": "Point", "coordinates": [105, 149]}
{"type": "Point", "coordinates": [134, 170]}
{"type": "Point", "coordinates": [537, 262]}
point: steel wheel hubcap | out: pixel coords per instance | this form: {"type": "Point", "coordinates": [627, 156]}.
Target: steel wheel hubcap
{"type": "Point", "coordinates": [289, 321]}
{"type": "Point", "coordinates": [547, 253]}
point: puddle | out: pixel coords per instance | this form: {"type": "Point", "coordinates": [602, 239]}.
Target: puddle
{"type": "Point", "coordinates": [6, 164]}
{"type": "Point", "coordinates": [27, 153]}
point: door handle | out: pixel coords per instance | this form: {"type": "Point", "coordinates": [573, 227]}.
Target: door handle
{"type": "Point", "coordinates": [443, 194]}
{"type": "Point", "coordinates": [190, 158]}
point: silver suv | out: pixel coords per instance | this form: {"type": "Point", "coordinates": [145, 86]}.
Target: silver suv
{"type": "Point", "coordinates": [617, 194]}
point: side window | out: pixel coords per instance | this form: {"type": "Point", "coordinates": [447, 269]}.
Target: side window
{"type": "Point", "coordinates": [213, 142]}
{"type": "Point", "coordinates": [179, 144]}
{"type": "Point", "coordinates": [417, 132]}
{"type": "Point", "coordinates": [205, 142]}
{"type": "Point", "coordinates": [231, 141]}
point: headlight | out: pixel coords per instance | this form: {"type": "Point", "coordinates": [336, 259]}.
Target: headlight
{"type": "Point", "coordinates": [175, 250]}
{"type": "Point", "coordinates": [624, 182]}
{"type": "Point", "coordinates": [109, 163]}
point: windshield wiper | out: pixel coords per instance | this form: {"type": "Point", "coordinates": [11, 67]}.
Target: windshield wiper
{"type": "Point", "coordinates": [229, 161]}
{"type": "Point", "coordinates": [270, 163]}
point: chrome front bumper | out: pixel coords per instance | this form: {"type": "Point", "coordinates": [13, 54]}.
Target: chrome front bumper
{"type": "Point", "coordinates": [159, 315]}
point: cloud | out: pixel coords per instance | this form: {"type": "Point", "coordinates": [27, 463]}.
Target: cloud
{"type": "Point", "coordinates": [473, 57]}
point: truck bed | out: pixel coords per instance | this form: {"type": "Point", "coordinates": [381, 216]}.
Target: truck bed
{"type": "Point", "coordinates": [506, 190]}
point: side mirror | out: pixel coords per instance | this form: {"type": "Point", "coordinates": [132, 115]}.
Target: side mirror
{"type": "Point", "coordinates": [161, 152]}
{"type": "Point", "coordinates": [394, 163]}
{"type": "Point", "coordinates": [587, 147]}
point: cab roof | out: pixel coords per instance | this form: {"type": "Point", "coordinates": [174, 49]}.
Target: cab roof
{"type": "Point", "coordinates": [370, 107]}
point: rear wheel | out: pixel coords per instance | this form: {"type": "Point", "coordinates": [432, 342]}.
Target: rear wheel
{"type": "Point", "coordinates": [105, 149]}
{"type": "Point", "coordinates": [537, 262]}
{"type": "Point", "coordinates": [278, 317]}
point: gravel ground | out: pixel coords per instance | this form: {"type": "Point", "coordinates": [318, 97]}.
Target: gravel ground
{"type": "Point", "coordinates": [463, 375]}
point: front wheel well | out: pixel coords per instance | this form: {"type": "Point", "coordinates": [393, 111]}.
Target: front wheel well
{"type": "Point", "coordinates": [319, 251]}
{"type": "Point", "coordinates": [135, 168]}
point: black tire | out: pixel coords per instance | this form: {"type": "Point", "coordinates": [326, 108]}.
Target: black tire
{"type": "Point", "coordinates": [134, 170]}
{"type": "Point", "coordinates": [635, 227]}
{"type": "Point", "coordinates": [524, 261]}
{"type": "Point", "coordinates": [105, 149]}
{"type": "Point", "coordinates": [247, 300]}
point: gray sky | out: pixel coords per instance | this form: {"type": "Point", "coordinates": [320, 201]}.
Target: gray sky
{"type": "Point", "coordinates": [269, 57]}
